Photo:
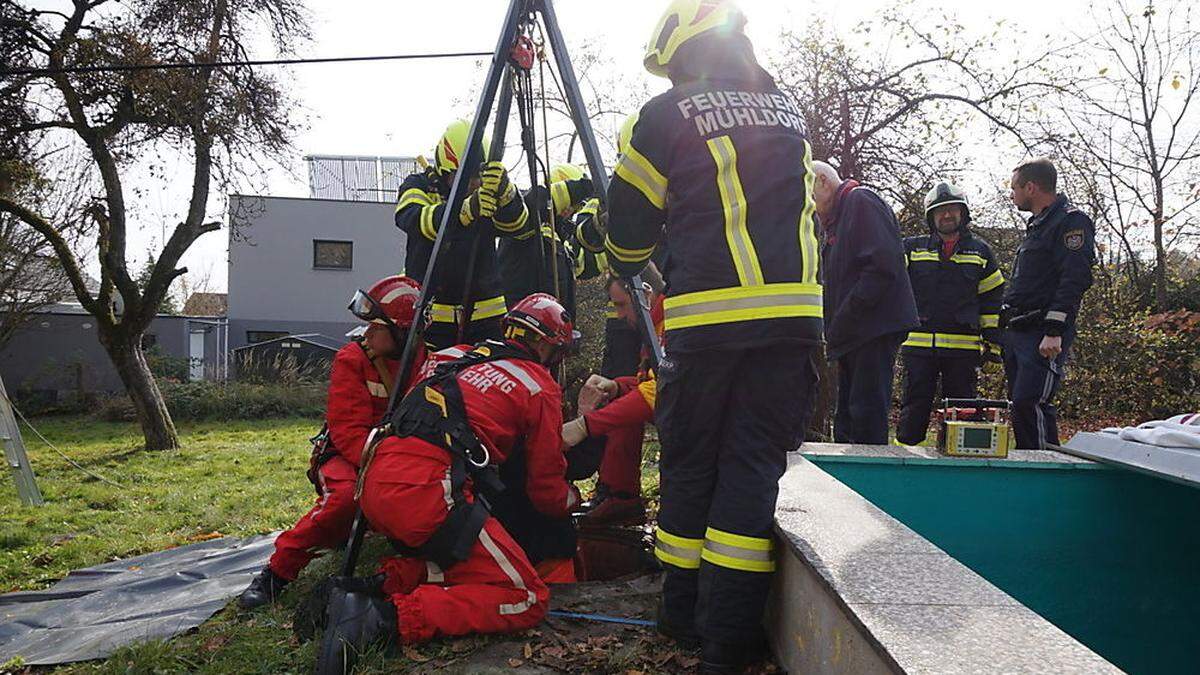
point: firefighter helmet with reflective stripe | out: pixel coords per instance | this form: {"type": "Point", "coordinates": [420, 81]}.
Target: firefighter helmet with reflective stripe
{"type": "Point", "coordinates": [451, 149]}
{"type": "Point", "coordinates": [562, 172]}
{"type": "Point", "coordinates": [626, 133]}
{"type": "Point", "coordinates": [392, 301]}
{"type": "Point", "coordinates": [685, 20]}
{"type": "Point", "coordinates": [946, 193]}
{"type": "Point", "coordinates": [541, 316]}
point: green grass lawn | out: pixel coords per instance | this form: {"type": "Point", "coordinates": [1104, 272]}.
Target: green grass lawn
{"type": "Point", "coordinates": [230, 478]}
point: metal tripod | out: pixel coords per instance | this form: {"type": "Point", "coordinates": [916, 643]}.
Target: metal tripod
{"type": "Point", "coordinates": [519, 16]}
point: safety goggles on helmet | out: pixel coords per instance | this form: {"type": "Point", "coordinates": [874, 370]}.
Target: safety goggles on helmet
{"type": "Point", "coordinates": [366, 308]}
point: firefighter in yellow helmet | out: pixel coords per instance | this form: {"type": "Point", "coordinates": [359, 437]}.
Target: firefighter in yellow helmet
{"type": "Point", "coordinates": [742, 314]}
{"type": "Point", "coordinates": [492, 208]}
{"type": "Point", "coordinates": [525, 259]}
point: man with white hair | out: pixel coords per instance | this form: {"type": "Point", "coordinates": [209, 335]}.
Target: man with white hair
{"type": "Point", "coordinates": [869, 306]}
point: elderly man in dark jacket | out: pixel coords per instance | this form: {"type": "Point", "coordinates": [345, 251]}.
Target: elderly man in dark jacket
{"type": "Point", "coordinates": [869, 306]}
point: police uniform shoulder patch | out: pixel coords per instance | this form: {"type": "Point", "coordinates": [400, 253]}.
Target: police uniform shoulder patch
{"type": "Point", "coordinates": [1073, 240]}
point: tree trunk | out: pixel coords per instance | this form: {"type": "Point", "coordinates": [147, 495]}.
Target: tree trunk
{"type": "Point", "coordinates": [126, 353]}
{"type": "Point", "coordinates": [1160, 266]}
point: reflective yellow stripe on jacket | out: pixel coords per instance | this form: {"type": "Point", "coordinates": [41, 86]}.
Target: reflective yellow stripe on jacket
{"type": "Point", "coordinates": [635, 169]}
{"type": "Point", "coordinates": [943, 341]}
{"type": "Point", "coordinates": [484, 309]}
{"type": "Point", "coordinates": [733, 202]}
{"type": "Point", "coordinates": [992, 281]}
{"type": "Point", "coordinates": [742, 303]}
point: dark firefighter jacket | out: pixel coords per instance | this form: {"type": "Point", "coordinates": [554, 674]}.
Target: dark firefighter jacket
{"type": "Point", "coordinates": [525, 259]}
{"type": "Point", "coordinates": [1053, 267]}
{"type": "Point", "coordinates": [958, 298]}
{"type": "Point", "coordinates": [867, 292]}
{"type": "Point", "coordinates": [722, 162]}
{"type": "Point", "coordinates": [419, 213]}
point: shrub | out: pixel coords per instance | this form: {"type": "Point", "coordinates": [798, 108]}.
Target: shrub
{"type": "Point", "coordinates": [226, 401]}
{"type": "Point", "coordinates": [1136, 368]}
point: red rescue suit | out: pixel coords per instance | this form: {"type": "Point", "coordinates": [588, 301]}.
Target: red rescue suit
{"type": "Point", "coordinates": [407, 496]}
{"type": "Point", "coordinates": [622, 421]}
{"type": "Point", "coordinates": [357, 402]}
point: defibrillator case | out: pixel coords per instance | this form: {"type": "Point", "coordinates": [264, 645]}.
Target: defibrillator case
{"type": "Point", "coordinates": [974, 428]}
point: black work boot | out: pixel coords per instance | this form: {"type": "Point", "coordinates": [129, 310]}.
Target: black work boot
{"type": "Point", "coordinates": [359, 616]}
{"type": "Point", "coordinates": [684, 636]}
{"type": "Point", "coordinates": [263, 590]}
{"type": "Point", "coordinates": [722, 659]}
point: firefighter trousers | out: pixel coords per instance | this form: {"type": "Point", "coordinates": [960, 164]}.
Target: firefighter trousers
{"type": "Point", "coordinates": [923, 368]}
{"type": "Point", "coordinates": [406, 496]}
{"type": "Point", "coordinates": [441, 334]}
{"type": "Point", "coordinates": [622, 349]}
{"type": "Point", "coordinates": [326, 526]}
{"type": "Point", "coordinates": [726, 422]}
{"type": "Point", "coordinates": [621, 467]}
{"type": "Point", "coordinates": [1033, 380]}
{"type": "Point", "coordinates": [865, 391]}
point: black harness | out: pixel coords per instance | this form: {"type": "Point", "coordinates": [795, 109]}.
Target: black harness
{"type": "Point", "coordinates": [434, 411]}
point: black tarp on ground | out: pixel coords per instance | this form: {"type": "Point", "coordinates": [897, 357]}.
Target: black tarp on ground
{"type": "Point", "coordinates": [97, 610]}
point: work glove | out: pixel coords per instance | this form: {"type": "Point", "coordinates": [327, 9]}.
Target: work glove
{"type": "Point", "coordinates": [573, 497]}
{"type": "Point", "coordinates": [575, 431]}
{"type": "Point", "coordinates": [472, 209]}
{"type": "Point", "coordinates": [494, 184]}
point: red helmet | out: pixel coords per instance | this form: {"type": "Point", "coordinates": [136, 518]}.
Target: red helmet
{"type": "Point", "coordinates": [544, 316]}
{"type": "Point", "coordinates": [392, 300]}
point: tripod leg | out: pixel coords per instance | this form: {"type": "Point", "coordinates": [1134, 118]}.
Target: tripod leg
{"type": "Point", "coordinates": [470, 164]}
{"type": "Point", "coordinates": [590, 150]}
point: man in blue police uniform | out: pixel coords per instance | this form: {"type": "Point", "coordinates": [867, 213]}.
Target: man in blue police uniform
{"type": "Point", "coordinates": [1041, 300]}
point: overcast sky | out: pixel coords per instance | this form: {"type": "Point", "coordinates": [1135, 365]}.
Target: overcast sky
{"type": "Point", "coordinates": [400, 108]}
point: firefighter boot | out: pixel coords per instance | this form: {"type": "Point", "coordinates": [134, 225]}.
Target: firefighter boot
{"type": "Point", "coordinates": [358, 617]}
{"type": "Point", "coordinates": [263, 590]}
{"type": "Point", "coordinates": [613, 508]}
{"type": "Point", "coordinates": [684, 636]}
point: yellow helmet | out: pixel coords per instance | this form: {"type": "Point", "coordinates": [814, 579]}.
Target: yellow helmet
{"type": "Point", "coordinates": [452, 146]}
{"type": "Point", "coordinates": [561, 172]}
{"type": "Point", "coordinates": [685, 20]}
{"type": "Point", "coordinates": [626, 132]}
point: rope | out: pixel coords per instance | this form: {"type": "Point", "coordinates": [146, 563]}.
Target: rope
{"type": "Point", "coordinates": [603, 618]}
{"type": "Point", "coordinates": [128, 67]}
{"type": "Point", "coordinates": [60, 453]}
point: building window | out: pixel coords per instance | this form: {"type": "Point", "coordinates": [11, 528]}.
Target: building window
{"type": "Point", "coordinates": [333, 255]}
{"type": "Point", "coordinates": [256, 336]}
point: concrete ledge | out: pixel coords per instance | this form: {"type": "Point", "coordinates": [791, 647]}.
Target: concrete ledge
{"type": "Point", "coordinates": [1176, 464]}
{"type": "Point", "coordinates": [859, 592]}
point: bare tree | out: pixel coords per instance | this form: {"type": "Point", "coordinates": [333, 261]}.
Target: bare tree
{"type": "Point", "coordinates": [218, 118]}
{"type": "Point", "coordinates": [1131, 127]}
{"type": "Point", "coordinates": [891, 110]}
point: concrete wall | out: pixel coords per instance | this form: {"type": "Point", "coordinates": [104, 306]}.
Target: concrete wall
{"type": "Point", "coordinates": [273, 285]}
{"type": "Point", "coordinates": [59, 353]}
{"type": "Point", "coordinates": [859, 592]}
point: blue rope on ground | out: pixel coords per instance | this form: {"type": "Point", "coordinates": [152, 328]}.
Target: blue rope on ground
{"type": "Point", "coordinates": [599, 617]}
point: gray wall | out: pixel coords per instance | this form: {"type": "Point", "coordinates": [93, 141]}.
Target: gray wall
{"type": "Point", "coordinates": [273, 285]}
{"type": "Point", "coordinates": [60, 352]}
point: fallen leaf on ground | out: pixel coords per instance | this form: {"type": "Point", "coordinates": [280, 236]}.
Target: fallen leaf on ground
{"type": "Point", "coordinates": [515, 663]}
{"type": "Point", "coordinates": [528, 650]}
{"type": "Point", "coordinates": [414, 655]}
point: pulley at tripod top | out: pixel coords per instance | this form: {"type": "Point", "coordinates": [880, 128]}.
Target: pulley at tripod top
{"type": "Point", "coordinates": [522, 53]}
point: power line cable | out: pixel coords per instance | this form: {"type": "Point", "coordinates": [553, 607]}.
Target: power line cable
{"type": "Point", "coordinates": [129, 67]}
{"type": "Point", "coordinates": [55, 449]}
